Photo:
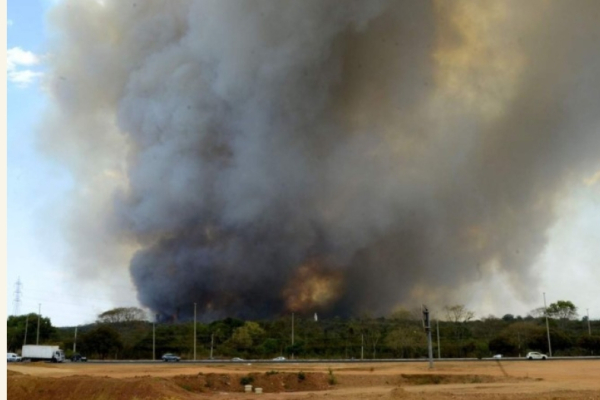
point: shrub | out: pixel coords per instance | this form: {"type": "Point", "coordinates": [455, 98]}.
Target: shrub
{"type": "Point", "coordinates": [246, 380]}
{"type": "Point", "coordinates": [332, 379]}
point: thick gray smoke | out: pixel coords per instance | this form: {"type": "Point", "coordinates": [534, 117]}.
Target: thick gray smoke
{"type": "Point", "coordinates": [335, 156]}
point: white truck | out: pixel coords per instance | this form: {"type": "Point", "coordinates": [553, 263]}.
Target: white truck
{"type": "Point", "coordinates": [34, 352]}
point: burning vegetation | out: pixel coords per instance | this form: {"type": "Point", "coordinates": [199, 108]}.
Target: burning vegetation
{"type": "Point", "coordinates": [313, 288]}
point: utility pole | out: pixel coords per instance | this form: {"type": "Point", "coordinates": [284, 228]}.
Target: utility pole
{"type": "Point", "coordinates": [362, 346]}
{"type": "Point", "coordinates": [212, 342]}
{"type": "Point", "coordinates": [292, 336]}
{"type": "Point", "coordinates": [589, 326]}
{"type": "Point", "coordinates": [547, 327]}
{"type": "Point", "coordinates": [154, 339]}
{"type": "Point", "coordinates": [194, 331]}
{"type": "Point", "coordinates": [37, 341]}
{"type": "Point", "coordinates": [75, 341]}
{"type": "Point", "coordinates": [25, 337]}
{"type": "Point", "coordinates": [437, 328]}
{"type": "Point", "coordinates": [427, 326]}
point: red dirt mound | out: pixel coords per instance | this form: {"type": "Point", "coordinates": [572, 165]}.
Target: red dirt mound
{"type": "Point", "coordinates": [24, 387]}
{"type": "Point", "coordinates": [270, 382]}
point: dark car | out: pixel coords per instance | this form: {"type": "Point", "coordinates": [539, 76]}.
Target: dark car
{"type": "Point", "coordinates": [170, 357]}
{"type": "Point", "coordinates": [78, 358]}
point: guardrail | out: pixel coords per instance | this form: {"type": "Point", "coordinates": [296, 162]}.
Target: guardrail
{"type": "Point", "coordinates": [340, 361]}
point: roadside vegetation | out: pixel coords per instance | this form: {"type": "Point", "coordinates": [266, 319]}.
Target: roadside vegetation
{"type": "Point", "coordinates": [124, 333]}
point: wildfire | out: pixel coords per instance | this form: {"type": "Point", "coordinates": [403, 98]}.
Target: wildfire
{"type": "Point", "coordinates": [312, 287]}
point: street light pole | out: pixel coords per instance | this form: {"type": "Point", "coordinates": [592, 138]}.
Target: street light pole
{"type": "Point", "coordinates": [37, 340]}
{"type": "Point", "coordinates": [437, 325]}
{"type": "Point", "coordinates": [589, 326]}
{"type": "Point", "coordinates": [427, 327]}
{"type": "Point", "coordinates": [25, 337]}
{"type": "Point", "coordinates": [547, 327]}
{"type": "Point", "coordinates": [154, 339]}
{"type": "Point", "coordinates": [362, 346]}
{"type": "Point", "coordinates": [75, 341]}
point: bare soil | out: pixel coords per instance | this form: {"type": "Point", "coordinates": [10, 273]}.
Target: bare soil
{"type": "Point", "coordinates": [576, 379]}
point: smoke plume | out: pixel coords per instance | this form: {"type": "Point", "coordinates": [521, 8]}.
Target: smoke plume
{"type": "Point", "coordinates": [338, 157]}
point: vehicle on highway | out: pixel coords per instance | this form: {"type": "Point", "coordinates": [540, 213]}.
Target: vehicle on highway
{"type": "Point", "coordinates": [34, 352]}
{"type": "Point", "coordinates": [78, 358]}
{"type": "Point", "coordinates": [170, 357]}
{"type": "Point", "coordinates": [237, 359]}
{"type": "Point", "coordinates": [497, 355]}
{"type": "Point", "coordinates": [280, 358]}
{"type": "Point", "coordinates": [534, 355]}
{"type": "Point", "coordinates": [12, 357]}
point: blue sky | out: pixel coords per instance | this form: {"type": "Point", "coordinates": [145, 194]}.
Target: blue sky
{"type": "Point", "coordinates": [38, 187]}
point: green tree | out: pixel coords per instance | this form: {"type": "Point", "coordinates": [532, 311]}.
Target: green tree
{"type": "Point", "coordinates": [270, 347]}
{"type": "Point", "coordinates": [370, 330]}
{"type": "Point", "coordinates": [122, 314]}
{"type": "Point", "coordinates": [590, 343]}
{"type": "Point", "coordinates": [102, 341]}
{"type": "Point", "coordinates": [406, 341]}
{"type": "Point", "coordinates": [459, 316]}
{"type": "Point", "coordinates": [17, 325]}
{"type": "Point", "coordinates": [458, 313]}
{"type": "Point", "coordinates": [246, 336]}
{"type": "Point", "coordinates": [515, 339]}
{"type": "Point", "coordinates": [562, 310]}
{"type": "Point", "coordinates": [241, 339]}
{"type": "Point", "coordinates": [503, 344]}
{"type": "Point", "coordinates": [508, 317]}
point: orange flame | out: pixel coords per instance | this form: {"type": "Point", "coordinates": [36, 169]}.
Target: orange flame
{"type": "Point", "coordinates": [312, 287]}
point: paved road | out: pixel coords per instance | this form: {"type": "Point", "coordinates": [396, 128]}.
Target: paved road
{"type": "Point", "coordinates": [339, 361]}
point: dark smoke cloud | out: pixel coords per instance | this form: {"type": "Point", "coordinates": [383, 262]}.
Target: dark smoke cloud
{"type": "Point", "coordinates": [356, 152]}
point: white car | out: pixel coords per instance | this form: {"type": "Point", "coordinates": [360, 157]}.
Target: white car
{"type": "Point", "coordinates": [497, 356]}
{"type": "Point", "coordinates": [12, 357]}
{"type": "Point", "coordinates": [534, 355]}
{"type": "Point", "coordinates": [279, 358]}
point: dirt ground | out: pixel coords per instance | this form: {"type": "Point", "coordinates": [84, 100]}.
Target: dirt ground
{"type": "Point", "coordinates": [568, 379]}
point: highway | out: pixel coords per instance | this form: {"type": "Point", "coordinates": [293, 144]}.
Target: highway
{"type": "Point", "coordinates": [340, 361]}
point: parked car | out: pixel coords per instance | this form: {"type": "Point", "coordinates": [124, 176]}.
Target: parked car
{"type": "Point", "coordinates": [534, 355]}
{"type": "Point", "coordinates": [170, 357]}
{"type": "Point", "coordinates": [78, 358]}
{"type": "Point", "coordinates": [280, 358]}
{"type": "Point", "coordinates": [12, 357]}
{"type": "Point", "coordinates": [237, 359]}
{"type": "Point", "coordinates": [497, 355]}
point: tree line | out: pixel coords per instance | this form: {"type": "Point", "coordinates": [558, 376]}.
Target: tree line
{"type": "Point", "coordinates": [125, 333]}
